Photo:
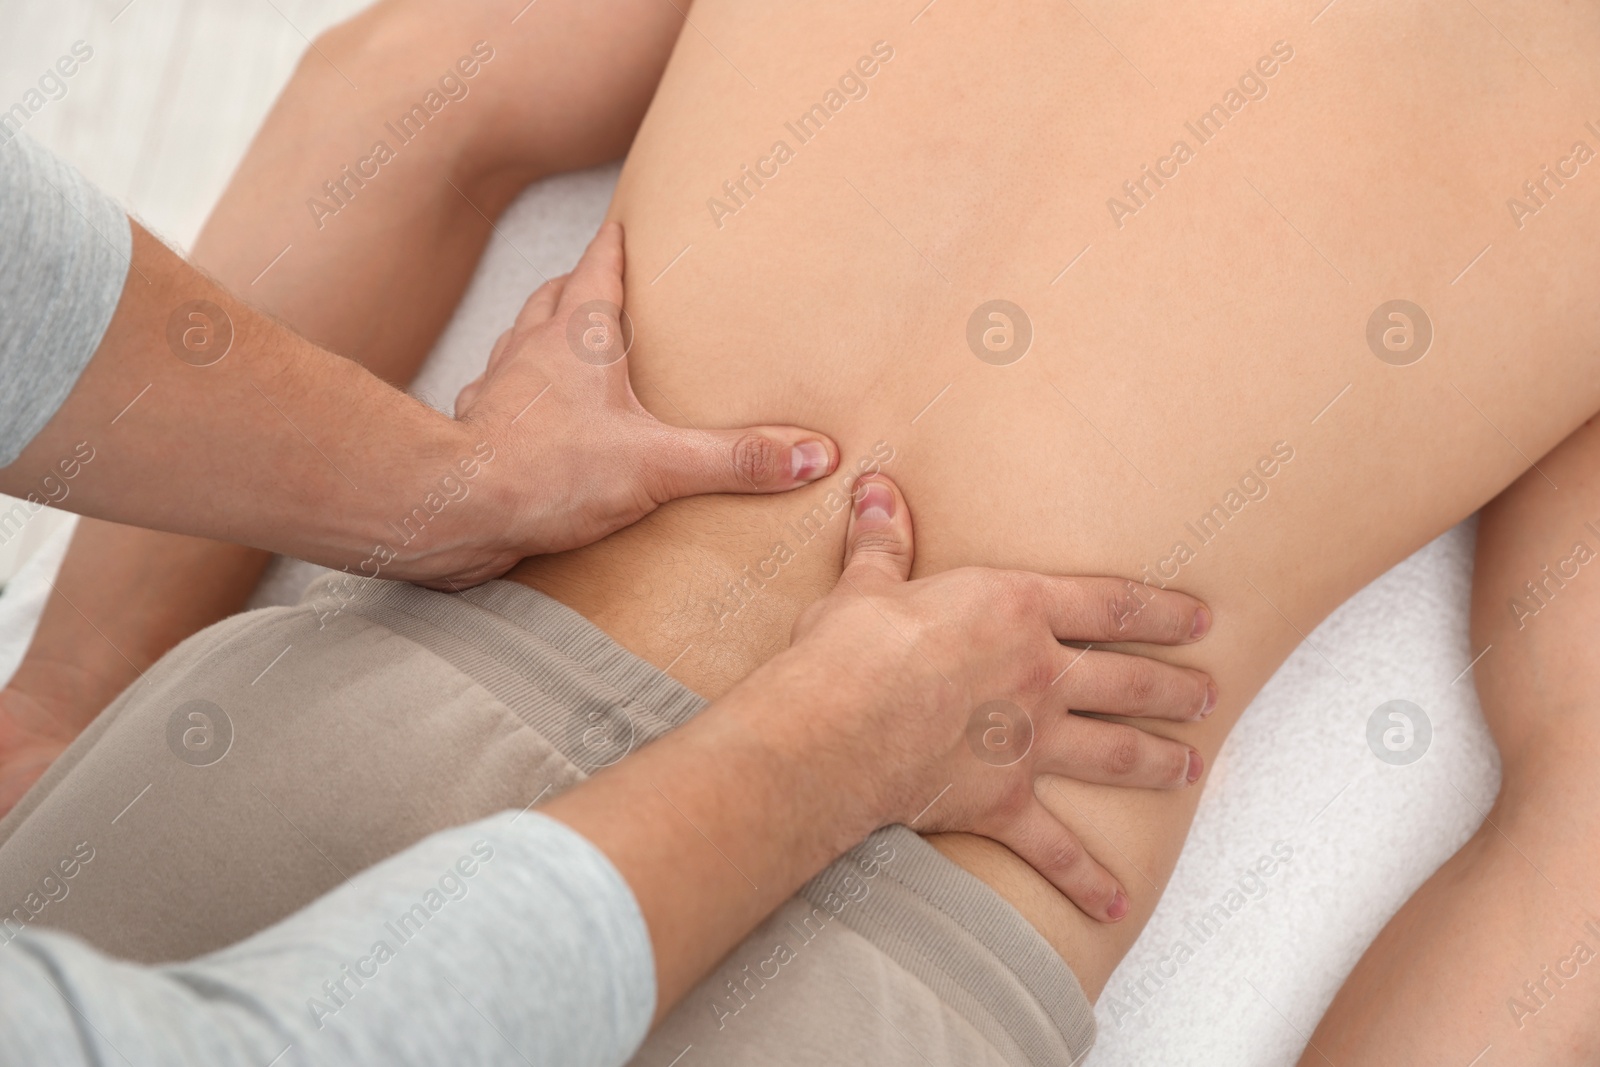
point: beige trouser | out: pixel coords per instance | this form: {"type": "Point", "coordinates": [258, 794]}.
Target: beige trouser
{"type": "Point", "coordinates": [282, 751]}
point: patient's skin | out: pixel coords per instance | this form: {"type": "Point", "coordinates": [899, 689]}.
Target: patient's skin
{"type": "Point", "coordinates": [1222, 326]}
{"type": "Point", "coordinates": [1184, 345]}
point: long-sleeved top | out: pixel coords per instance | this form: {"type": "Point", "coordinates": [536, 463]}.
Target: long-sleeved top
{"type": "Point", "coordinates": [512, 940]}
{"type": "Point", "coordinates": [508, 941]}
{"type": "Point", "coordinates": [65, 250]}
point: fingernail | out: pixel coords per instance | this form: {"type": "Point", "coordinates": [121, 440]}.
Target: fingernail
{"type": "Point", "coordinates": [1210, 703]}
{"type": "Point", "coordinates": [1202, 623]}
{"type": "Point", "coordinates": [1196, 765]}
{"type": "Point", "coordinates": [875, 503]}
{"type": "Point", "coordinates": [1118, 906]}
{"type": "Point", "coordinates": [808, 460]}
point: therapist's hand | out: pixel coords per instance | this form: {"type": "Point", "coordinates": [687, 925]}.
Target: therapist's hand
{"type": "Point", "coordinates": [200, 415]}
{"type": "Point", "coordinates": [964, 694]}
{"type": "Point", "coordinates": [556, 399]}
{"type": "Point", "coordinates": [878, 714]}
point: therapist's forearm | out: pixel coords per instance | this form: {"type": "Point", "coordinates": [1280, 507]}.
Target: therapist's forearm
{"type": "Point", "coordinates": [376, 288]}
{"type": "Point", "coordinates": [377, 282]}
{"type": "Point", "coordinates": [276, 445]}
{"type": "Point", "coordinates": [715, 825]}
{"type": "Point", "coordinates": [376, 285]}
{"type": "Point", "coordinates": [526, 925]}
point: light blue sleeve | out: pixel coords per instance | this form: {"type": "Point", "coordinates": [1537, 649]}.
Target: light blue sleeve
{"type": "Point", "coordinates": [65, 249]}
{"type": "Point", "coordinates": [510, 941]}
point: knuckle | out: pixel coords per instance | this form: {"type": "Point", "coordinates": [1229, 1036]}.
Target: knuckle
{"type": "Point", "coordinates": [1027, 588]}
{"type": "Point", "coordinates": [1130, 606]}
{"type": "Point", "coordinates": [1063, 853]}
{"type": "Point", "coordinates": [1021, 597]}
{"type": "Point", "coordinates": [879, 541]}
{"type": "Point", "coordinates": [756, 458]}
{"type": "Point", "coordinates": [1142, 685]}
{"type": "Point", "coordinates": [1038, 672]}
{"type": "Point", "coordinates": [1181, 624]}
{"type": "Point", "coordinates": [982, 589]}
{"type": "Point", "coordinates": [1011, 804]}
{"type": "Point", "coordinates": [1122, 753]}
{"type": "Point", "coordinates": [1113, 611]}
{"type": "Point", "coordinates": [1098, 896]}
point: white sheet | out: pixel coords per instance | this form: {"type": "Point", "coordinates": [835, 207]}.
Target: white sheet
{"type": "Point", "coordinates": [1363, 833]}
{"type": "Point", "coordinates": [1297, 769]}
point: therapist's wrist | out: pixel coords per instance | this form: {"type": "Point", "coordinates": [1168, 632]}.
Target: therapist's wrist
{"type": "Point", "coordinates": [445, 515]}
{"type": "Point", "coordinates": [809, 715]}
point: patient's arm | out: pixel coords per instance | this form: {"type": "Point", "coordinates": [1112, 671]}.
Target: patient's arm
{"type": "Point", "coordinates": [375, 281]}
{"type": "Point", "coordinates": [1499, 948]}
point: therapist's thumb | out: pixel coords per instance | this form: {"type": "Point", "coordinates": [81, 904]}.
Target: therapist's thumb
{"type": "Point", "coordinates": [756, 459]}
{"type": "Point", "coordinates": [878, 546]}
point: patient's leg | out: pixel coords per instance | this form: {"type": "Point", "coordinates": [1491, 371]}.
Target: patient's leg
{"type": "Point", "coordinates": [1500, 949]}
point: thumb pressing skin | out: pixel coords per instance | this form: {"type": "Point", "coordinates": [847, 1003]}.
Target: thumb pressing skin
{"type": "Point", "coordinates": [756, 459]}
{"type": "Point", "coordinates": [879, 545]}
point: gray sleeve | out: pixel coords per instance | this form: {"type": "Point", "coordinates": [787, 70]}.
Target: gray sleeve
{"type": "Point", "coordinates": [65, 249]}
{"type": "Point", "coordinates": [509, 941]}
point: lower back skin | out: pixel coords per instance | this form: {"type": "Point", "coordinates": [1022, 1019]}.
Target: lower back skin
{"type": "Point", "coordinates": [1200, 346]}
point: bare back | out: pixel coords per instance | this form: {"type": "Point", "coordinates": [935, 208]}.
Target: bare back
{"type": "Point", "coordinates": [1200, 219]}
